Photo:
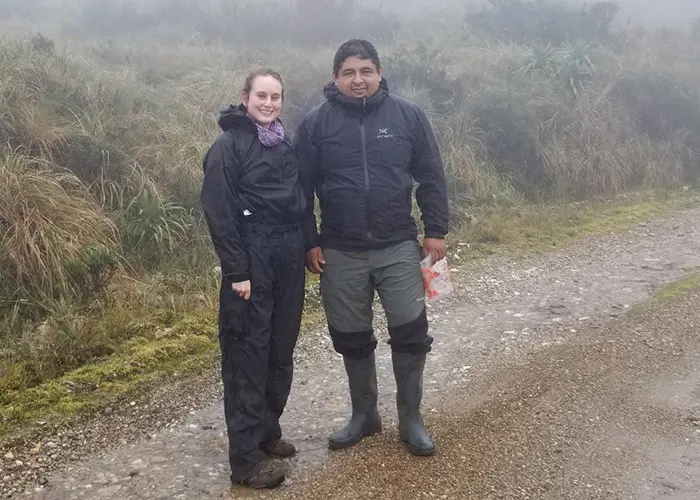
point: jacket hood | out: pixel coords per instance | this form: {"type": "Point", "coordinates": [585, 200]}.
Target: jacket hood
{"type": "Point", "coordinates": [234, 116]}
{"type": "Point", "coordinates": [331, 92]}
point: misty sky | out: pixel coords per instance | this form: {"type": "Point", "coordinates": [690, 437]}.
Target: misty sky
{"type": "Point", "coordinates": [652, 12]}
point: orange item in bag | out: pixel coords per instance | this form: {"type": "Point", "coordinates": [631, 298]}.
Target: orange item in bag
{"type": "Point", "coordinates": [436, 277]}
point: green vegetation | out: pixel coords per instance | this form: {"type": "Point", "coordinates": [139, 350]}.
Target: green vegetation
{"type": "Point", "coordinates": [547, 127]}
{"type": "Point", "coordinates": [670, 293]}
{"type": "Point", "coordinates": [541, 227]}
{"type": "Point", "coordinates": [140, 361]}
{"type": "Point", "coordinates": [680, 288]}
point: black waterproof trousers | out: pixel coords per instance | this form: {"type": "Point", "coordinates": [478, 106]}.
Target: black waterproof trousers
{"type": "Point", "coordinates": [257, 339]}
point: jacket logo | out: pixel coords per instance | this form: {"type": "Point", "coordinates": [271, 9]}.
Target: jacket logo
{"type": "Point", "coordinates": [384, 134]}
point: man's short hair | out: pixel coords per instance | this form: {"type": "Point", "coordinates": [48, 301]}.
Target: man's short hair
{"type": "Point", "coordinates": [362, 49]}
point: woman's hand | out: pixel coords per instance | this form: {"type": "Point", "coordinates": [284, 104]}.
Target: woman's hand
{"type": "Point", "coordinates": [315, 261]}
{"type": "Point", "coordinates": [242, 289]}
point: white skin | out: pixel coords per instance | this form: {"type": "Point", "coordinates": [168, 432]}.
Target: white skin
{"type": "Point", "coordinates": [361, 78]}
{"type": "Point", "coordinates": [264, 105]}
{"type": "Point", "coordinates": [264, 101]}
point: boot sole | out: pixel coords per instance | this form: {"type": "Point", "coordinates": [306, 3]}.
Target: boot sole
{"type": "Point", "coordinates": [267, 486]}
{"type": "Point", "coordinates": [419, 452]}
{"type": "Point", "coordinates": [278, 455]}
{"type": "Point", "coordinates": [335, 445]}
{"type": "Point", "coordinates": [339, 445]}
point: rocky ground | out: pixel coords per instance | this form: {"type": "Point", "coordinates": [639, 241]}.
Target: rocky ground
{"type": "Point", "coordinates": [612, 414]}
{"type": "Point", "coordinates": [538, 387]}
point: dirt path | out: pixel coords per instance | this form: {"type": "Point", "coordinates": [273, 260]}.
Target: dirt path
{"type": "Point", "coordinates": [520, 428]}
{"type": "Point", "coordinates": [612, 415]}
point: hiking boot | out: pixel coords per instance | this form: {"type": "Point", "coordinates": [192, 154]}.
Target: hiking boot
{"type": "Point", "coordinates": [365, 420]}
{"type": "Point", "coordinates": [408, 371]}
{"type": "Point", "coordinates": [265, 475]}
{"type": "Point", "coordinates": [279, 448]}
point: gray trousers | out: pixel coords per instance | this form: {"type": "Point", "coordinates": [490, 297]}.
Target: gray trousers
{"type": "Point", "coordinates": [348, 284]}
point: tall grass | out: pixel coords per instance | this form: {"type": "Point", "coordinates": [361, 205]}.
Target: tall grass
{"type": "Point", "coordinates": [49, 223]}
{"type": "Point", "coordinates": [103, 126]}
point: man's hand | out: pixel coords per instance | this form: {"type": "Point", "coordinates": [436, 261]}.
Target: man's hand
{"type": "Point", "coordinates": [314, 260]}
{"type": "Point", "coordinates": [242, 289]}
{"type": "Point", "coordinates": [436, 247]}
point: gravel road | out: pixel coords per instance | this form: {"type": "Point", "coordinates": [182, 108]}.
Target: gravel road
{"type": "Point", "coordinates": [539, 386]}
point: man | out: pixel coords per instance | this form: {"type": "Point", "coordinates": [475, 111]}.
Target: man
{"type": "Point", "coordinates": [360, 152]}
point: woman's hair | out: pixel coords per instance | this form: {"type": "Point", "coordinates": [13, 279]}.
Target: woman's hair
{"type": "Point", "coordinates": [253, 74]}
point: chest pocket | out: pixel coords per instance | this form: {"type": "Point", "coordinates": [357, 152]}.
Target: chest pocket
{"type": "Point", "coordinates": [389, 148]}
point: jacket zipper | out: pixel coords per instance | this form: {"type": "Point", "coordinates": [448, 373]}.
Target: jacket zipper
{"type": "Point", "coordinates": [364, 160]}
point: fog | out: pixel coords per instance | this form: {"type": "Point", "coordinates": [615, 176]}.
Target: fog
{"type": "Point", "coordinates": [107, 108]}
{"type": "Point", "coordinates": [71, 18]}
{"type": "Point", "coordinates": [645, 12]}
{"type": "Point", "coordinates": [655, 12]}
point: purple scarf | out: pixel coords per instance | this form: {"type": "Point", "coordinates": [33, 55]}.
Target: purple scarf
{"type": "Point", "coordinates": [270, 136]}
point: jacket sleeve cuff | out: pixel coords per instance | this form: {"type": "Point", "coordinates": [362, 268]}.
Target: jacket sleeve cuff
{"type": "Point", "coordinates": [312, 241]}
{"type": "Point", "coordinates": [310, 246]}
{"type": "Point", "coordinates": [238, 277]}
{"type": "Point", "coordinates": [434, 233]}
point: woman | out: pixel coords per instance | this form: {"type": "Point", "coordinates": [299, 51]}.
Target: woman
{"type": "Point", "coordinates": [254, 206]}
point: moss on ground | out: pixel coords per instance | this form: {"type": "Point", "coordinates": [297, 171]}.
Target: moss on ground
{"type": "Point", "coordinates": [139, 362]}
{"type": "Point", "coordinates": [156, 351]}
{"type": "Point", "coordinates": [95, 386]}
{"type": "Point", "coordinates": [667, 294]}
{"type": "Point", "coordinates": [678, 289]}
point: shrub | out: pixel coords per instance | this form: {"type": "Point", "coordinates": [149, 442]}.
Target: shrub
{"type": "Point", "coordinates": [422, 67]}
{"type": "Point", "coordinates": [154, 228]}
{"type": "Point", "coordinates": [93, 269]}
{"type": "Point", "coordinates": [659, 105]}
{"type": "Point", "coordinates": [48, 218]}
{"type": "Point", "coordinates": [511, 125]}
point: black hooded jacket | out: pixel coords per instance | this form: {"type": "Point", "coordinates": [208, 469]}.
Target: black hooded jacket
{"type": "Point", "coordinates": [361, 157]}
{"type": "Point", "coordinates": [247, 183]}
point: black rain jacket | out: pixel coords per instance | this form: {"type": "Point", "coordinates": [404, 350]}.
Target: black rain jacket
{"type": "Point", "coordinates": [247, 183]}
{"type": "Point", "coordinates": [361, 157]}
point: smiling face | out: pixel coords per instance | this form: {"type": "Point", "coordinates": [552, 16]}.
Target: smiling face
{"type": "Point", "coordinates": [263, 100]}
{"type": "Point", "coordinates": [358, 77]}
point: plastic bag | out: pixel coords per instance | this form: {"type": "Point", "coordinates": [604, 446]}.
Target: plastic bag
{"type": "Point", "coordinates": [436, 277]}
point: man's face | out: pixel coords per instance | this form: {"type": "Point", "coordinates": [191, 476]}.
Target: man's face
{"type": "Point", "coordinates": [358, 77]}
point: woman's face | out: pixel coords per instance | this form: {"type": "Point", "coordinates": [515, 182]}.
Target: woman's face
{"type": "Point", "coordinates": [264, 102]}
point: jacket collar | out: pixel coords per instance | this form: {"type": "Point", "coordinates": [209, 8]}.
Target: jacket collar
{"type": "Point", "coordinates": [331, 92]}
{"type": "Point", "coordinates": [235, 116]}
